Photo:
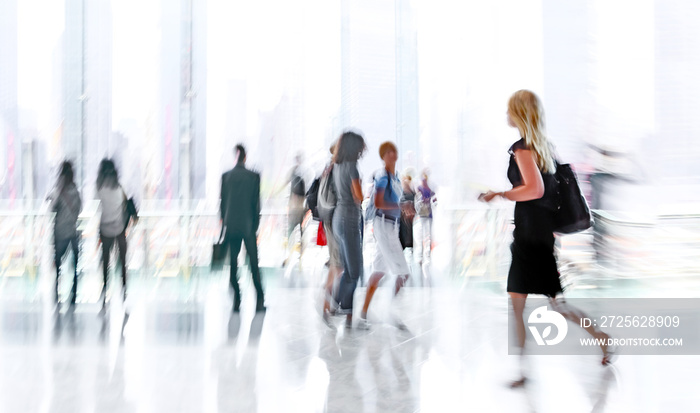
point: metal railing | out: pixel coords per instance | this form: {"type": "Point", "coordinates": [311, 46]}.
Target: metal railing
{"type": "Point", "coordinates": [620, 245]}
{"type": "Point", "coordinates": [165, 242]}
{"type": "Point", "coordinates": [170, 241]}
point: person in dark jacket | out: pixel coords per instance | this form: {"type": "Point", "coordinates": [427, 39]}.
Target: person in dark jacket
{"type": "Point", "coordinates": [240, 213]}
{"type": "Point", "coordinates": [66, 203]}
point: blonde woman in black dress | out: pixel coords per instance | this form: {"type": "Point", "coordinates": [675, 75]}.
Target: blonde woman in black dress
{"type": "Point", "coordinates": [531, 172]}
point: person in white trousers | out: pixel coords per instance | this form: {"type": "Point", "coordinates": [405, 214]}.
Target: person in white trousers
{"type": "Point", "coordinates": [389, 256]}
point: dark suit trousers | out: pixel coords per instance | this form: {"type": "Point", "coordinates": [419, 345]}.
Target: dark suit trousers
{"type": "Point", "coordinates": [107, 244]}
{"type": "Point", "coordinates": [60, 248]}
{"type": "Point", "coordinates": [234, 240]}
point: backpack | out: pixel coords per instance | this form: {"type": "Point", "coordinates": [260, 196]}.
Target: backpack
{"type": "Point", "coordinates": [327, 197]}
{"type": "Point", "coordinates": [298, 186]}
{"type": "Point", "coordinates": [312, 198]}
{"type": "Point", "coordinates": [371, 210]}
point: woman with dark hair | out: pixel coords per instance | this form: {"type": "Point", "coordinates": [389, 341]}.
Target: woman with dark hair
{"type": "Point", "coordinates": [335, 263]}
{"type": "Point", "coordinates": [347, 218]}
{"type": "Point", "coordinates": [66, 203]}
{"type": "Point", "coordinates": [113, 221]}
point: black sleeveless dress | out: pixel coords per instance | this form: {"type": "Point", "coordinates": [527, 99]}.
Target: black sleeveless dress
{"type": "Point", "coordinates": [534, 267]}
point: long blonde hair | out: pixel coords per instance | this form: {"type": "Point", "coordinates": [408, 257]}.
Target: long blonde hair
{"type": "Point", "coordinates": [525, 110]}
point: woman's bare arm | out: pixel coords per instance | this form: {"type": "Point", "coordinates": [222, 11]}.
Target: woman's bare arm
{"type": "Point", "coordinates": [357, 191]}
{"type": "Point", "coordinates": [381, 203]}
{"type": "Point", "coordinates": [532, 186]}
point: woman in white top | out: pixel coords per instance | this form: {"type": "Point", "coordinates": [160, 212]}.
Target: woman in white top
{"type": "Point", "coordinates": [113, 220]}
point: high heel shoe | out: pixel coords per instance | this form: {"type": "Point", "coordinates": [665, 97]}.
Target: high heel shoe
{"type": "Point", "coordinates": [608, 351]}
{"type": "Point", "coordinates": [335, 309]}
{"type": "Point", "coordinates": [517, 384]}
{"type": "Point", "coordinates": [609, 355]}
{"type": "Point", "coordinates": [327, 320]}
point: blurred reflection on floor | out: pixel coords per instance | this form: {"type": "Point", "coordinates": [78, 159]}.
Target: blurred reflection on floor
{"type": "Point", "coordinates": [185, 352]}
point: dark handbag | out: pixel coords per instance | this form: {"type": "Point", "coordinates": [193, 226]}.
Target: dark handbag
{"type": "Point", "coordinates": [312, 199]}
{"type": "Point", "coordinates": [573, 214]}
{"type": "Point", "coordinates": [219, 251]}
{"type": "Point", "coordinates": [406, 231]}
{"type": "Point", "coordinates": [130, 210]}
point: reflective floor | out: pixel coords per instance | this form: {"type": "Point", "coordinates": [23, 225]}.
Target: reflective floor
{"type": "Point", "coordinates": [187, 353]}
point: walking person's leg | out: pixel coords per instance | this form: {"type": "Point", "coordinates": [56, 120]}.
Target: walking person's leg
{"type": "Point", "coordinates": [575, 315]}
{"type": "Point", "coordinates": [107, 243]}
{"type": "Point", "coordinates": [335, 269]}
{"type": "Point", "coordinates": [76, 250]}
{"type": "Point", "coordinates": [406, 234]}
{"type": "Point", "coordinates": [251, 247]}
{"type": "Point", "coordinates": [395, 260]}
{"type": "Point", "coordinates": [348, 282]}
{"type": "Point", "coordinates": [428, 237]}
{"type": "Point", "coordinates": [60, 247]}
{"type": "Point", "coordinates": [372, 286]}
{"type": "Point", "coordinates": [302, 215]}
{"type": "Point", "coordinates": [334, 274]}
{"type": "Point", "coordinates": [234, 242]}
{"type": "Point", "coordinates": [352, 247]}
{"type": "Point", "coordinates": [422, 222]}
{"type": "Point", "coordinates": [290, 232]}
{"type": "Point", "coordinates": [518, 303]}
{"type": "Point", "coordinates": [121, 245]}
{"type": "Point", "coordinates": [339, 236]}
{"type": "Point", "coordinates": [294, 220]}
{"type": "Point", "coordinates": [379, 268]}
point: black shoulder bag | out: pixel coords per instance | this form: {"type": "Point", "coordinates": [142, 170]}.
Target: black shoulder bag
{"type": "Point", "coordinates": [130, 210]}
{"type": "Point", "coordinates": [573, 214]}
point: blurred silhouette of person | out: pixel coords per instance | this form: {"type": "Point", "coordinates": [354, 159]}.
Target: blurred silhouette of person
{"type": "Point", "coordinates": [343, 383]}
{"type": "Point", "coordinates": [425, 197]}
{"type": "Point", "coordinates": [347, 218]}
{"type": "Point", "coordinates": [612, 169]}
{"type": "Point", "coordinates": [408, 210]}
{"type": "Point", "coordinates": [389, 257]}
{"type": "Point", "coordinates": [531, 171]}
{"type": "Point", "coordinates": [113, 221]}
{"type": "Point", "coordinates": [335, 265]}
{"type": "Point", "coordinates": [240, 213]}
{"type": "Point", "coordinates": [297, 207]}
{"type": "Point", "coordinates": [65, 201]}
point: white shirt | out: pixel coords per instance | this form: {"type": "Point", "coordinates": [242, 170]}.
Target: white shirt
{"type": "Point", "coordinates": [112, 222]}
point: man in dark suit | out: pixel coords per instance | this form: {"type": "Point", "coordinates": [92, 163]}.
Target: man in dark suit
{"type": "Point", "coordinates": [240, 213]}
